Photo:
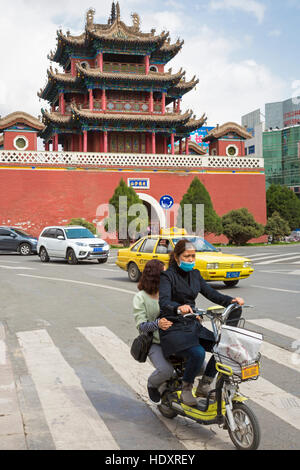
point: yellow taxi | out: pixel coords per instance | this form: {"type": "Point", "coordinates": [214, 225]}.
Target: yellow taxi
{"type": "Point", "coordinates": [212, 264]}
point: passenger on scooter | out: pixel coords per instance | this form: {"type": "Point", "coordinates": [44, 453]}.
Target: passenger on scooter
{"type": "Point", "coordinates": [146, 312]}
{"type": "Point", "coordinates": [187, 338]}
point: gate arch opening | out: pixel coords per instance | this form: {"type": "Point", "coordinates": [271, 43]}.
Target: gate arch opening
{"type": "Point", "coordinates": [156, 213]}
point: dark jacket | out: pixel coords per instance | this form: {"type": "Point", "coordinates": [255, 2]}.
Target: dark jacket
{"type": "Point", "coordinates": [179, 288]}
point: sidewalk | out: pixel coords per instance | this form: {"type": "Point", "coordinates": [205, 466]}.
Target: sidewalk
{"type": "Point", "coordinates": [12, 435]}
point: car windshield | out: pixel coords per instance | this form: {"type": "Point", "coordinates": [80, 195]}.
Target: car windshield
{"type": "Point", "coordinates": [74, 233]}
{"type": "Point", "coordinates": [200, 244]}
{"type": "Point", "coordinates": [20, 232]}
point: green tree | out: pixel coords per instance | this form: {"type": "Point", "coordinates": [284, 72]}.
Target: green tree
{"type": "Point", "coordinates": [198, 195]}
{"type": "Point", "coordinates": [277, 227]}
{"type": "Point", "coordinates": [84, 223]}
{"type": "Point", "coordinates": [239, 226]}
{"type": "Point", "coordinates": [127, 214]}
{"type": "Point", "coordinates": [283, 200]}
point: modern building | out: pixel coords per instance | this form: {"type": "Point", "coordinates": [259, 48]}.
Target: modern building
{"type": "Point", "coordinates": [282, 114]}
{"type": "Point", "coordinates": [281, 150]}
{"type": "Point", "coordinates": [254, 125]}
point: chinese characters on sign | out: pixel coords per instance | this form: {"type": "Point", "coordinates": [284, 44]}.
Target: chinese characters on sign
{"type": "Point", "coordinates": [139, 183]}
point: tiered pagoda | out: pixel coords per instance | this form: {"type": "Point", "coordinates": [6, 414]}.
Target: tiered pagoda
{"type": "Point", "coordinates": [114, 94]}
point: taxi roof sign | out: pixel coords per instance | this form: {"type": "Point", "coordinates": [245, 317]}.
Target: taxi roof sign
{"type": "Point", "coordinates": [173, 231]}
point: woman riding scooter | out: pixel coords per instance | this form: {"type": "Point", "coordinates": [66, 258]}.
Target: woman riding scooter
{"type": "Point", "coordinates": [187, 338]}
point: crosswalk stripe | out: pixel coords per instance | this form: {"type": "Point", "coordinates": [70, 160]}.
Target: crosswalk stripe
{"type": "Point", "coordinates": [279, 260]}
{"type": "Point", "coordinates": [259, 257]}
{"type": "Point", "coordinates": [280, 403]}
{"type": "Point", "coordinates": [117, 354]}
{"type": "Point", "coordinates": [281, 356]}
{"type": "Point", "coordinates": [277, 327]}
{"type": "Point", "coordinates": [73, 421]}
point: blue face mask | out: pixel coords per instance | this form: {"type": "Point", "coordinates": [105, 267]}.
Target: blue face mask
{"type": "Point", "coordinates": [187, 267]}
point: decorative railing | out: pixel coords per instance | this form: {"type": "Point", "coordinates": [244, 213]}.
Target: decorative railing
{"type": "Point", "coordinates": [125, 106]}
{"type": "Point", "coordinates": [95, 160]}
{"type": "Point", "coordinates": [116, 67]}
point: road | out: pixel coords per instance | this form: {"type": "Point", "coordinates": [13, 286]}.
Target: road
{"type": "Point", "coordinates": [67, 380]}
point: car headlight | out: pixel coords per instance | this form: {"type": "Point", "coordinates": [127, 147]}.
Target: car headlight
{"type": "Point", "coordinates": [212, 266]}
{"type": "Point", "coordinates": [248, 264]}
{"type": "Point", "coordinates": [80, 244]}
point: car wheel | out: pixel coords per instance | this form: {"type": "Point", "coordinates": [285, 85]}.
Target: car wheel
{"type": "Point", "coordinates": [25, 249]}
{"type": "Point", "coordinates": [44, 255]}
{"type": "Point", "coordinates": [71, 257]}
{"type": "Point", "coordinates": [134, 273]}
{"type": "Point", "coordinates": [102, 261]}
{"type": "Point", "coordinates": [231, 283]}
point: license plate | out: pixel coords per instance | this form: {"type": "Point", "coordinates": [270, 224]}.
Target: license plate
{"type": "Point", "coordinates": [232, 275]}
{"type": "Point", "coordinates": [98, 250]}
{"type": "Point", "coordinates": [250, 371]}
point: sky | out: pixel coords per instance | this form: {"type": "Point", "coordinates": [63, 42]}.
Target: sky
{"type": "Point", "coordinates": [244, 52]}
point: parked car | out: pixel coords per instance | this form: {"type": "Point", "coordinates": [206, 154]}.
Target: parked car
{"type": "Point", "coordinates": [212, 264]}
{"type": "Point", "coordinates": [293, 237]}
{"type": "Point", "coordinates": [71, 243]}
{"type": "Point", "coordinates": [16, 240]}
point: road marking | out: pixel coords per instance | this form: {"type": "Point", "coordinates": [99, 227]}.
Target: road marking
{"type": "Point", "coordinates": [70, 281]}
{"type": "Point", "coordinates": [72, 419]}
{"type": "Point", "coordinates": [117, 354]}
{"type": "Point", "coordinates": [279, 355]}
{"type": "Point", "coordinates": [259, 257]}
{"type": "Point", "coordinates": [278, 260]}
{"type": "Point", "coordinates": [280, 403]}
{"type": "Point", "coordinates": [277, 327]}
{"type": "Point", "coordinates": [272, 288]}
{"type": "Point", "coordinates": [17, 268]}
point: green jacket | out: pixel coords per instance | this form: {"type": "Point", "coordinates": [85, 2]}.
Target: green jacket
{"type": "Point", "coordinates": [146, 309]}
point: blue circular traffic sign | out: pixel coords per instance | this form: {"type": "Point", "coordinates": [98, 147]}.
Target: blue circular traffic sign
{"type": "Point", "coordinates": [167, 202]}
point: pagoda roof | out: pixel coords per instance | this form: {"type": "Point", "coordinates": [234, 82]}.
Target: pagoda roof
{"type": "Point", "coordinates": [193, 147]}
{"type": "Point", "coordinates": [183, 87]}
{"type": "Point", "coordinates": [20, 117]}
{"type": "Point", "coordinates": [192, 125]}
{"type": "Point", "coordinates": [167, 79]}
{"type": "Point", "coordinates": [169, 120]}
{"type": "Point", "coordinates": [113, 35]}
{"type": "Point", "coordinates": [228, 127]}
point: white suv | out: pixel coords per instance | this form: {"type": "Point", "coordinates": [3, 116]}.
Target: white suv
{"type": "Point", "coordinates": [71, 243]}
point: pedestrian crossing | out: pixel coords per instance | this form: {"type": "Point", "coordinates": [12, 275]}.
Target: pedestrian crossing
{"type": "Point", "coordinates": [76, 424]}
{"type": "Point", "coordinates": [262, 259]}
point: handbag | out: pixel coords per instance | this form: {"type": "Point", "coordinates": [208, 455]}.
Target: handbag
{"type": "Point", "coordinates": [141, 346]}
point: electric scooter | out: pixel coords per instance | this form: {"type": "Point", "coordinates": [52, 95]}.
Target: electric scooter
{"type": "Point", "coordinates": [224, 405]}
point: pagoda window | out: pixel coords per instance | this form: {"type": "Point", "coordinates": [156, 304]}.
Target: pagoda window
{"type": "Point", "coordinates": [153, 68]}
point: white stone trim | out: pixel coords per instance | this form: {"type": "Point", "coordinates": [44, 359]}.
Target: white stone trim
{"type": "Point", "coordinates": [105, 160]}
{"type": "Point", "coordinates": [235, 147]}
{"type": "Point", "coordinates": [21, 137]}
{"type": "Point", "coordinates": [156, 206]}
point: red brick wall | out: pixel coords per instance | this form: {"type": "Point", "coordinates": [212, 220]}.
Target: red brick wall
{"type": "Point", "coordinates": [9, 138]}
{"type": "Point", "coordinates": [39, 198]}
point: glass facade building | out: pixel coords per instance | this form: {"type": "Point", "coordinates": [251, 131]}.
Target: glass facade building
{"type": "Point", "coordinates": [281, 155]}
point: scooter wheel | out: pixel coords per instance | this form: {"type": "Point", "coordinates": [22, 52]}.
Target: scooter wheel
{"type": "Point", "coordinates": [247, 434]}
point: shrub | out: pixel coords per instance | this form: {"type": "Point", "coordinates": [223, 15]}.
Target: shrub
{"type": "Point", "coordinates": [84, 223]}
{"type": "Point", "coordinates": [239, 226]}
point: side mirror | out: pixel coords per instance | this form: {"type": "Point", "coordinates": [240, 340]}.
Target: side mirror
{"type": "Point", "coordinates": [60, 237]}
{"type": "Point", "coordinates": [13, 235]}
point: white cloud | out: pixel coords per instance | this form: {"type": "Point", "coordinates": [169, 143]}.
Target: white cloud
{"type": "Point", "coordinates": [228, 88]}
{"type": "Point", "coordinates": [275, 33]}
{"type": "Point", "coordinates": [249, 6]}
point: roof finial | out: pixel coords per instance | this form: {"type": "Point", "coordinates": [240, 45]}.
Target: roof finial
{"type": "Point", "coordinates": [112, 17]}
{"type": "Point", "coordinates": [90, 16]}
{"type": "Point", "coordinates": [118, 11]}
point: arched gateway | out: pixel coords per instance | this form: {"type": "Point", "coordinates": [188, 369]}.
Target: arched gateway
{"type": "Point", "coordinates": [156, 213]}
